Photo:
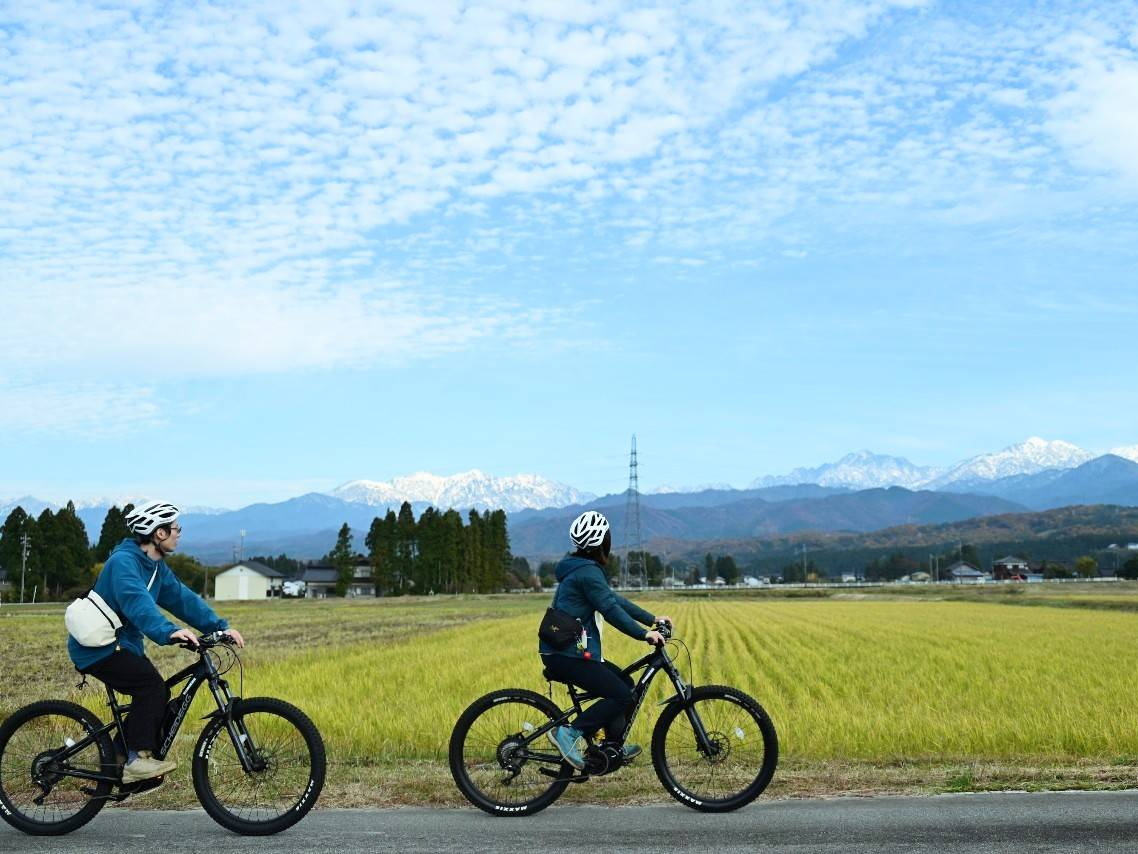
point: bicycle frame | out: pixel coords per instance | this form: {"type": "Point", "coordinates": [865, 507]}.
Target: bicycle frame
{"type": "Point", "coordinates": [202, 671]}
{"type": "Point", "coordinates": [653, 663]}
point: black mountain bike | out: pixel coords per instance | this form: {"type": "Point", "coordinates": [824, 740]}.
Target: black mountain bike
{"type": "Point", "coordinates": [258, 766]}
{"type": "Point", "coordinates": [714, 748]}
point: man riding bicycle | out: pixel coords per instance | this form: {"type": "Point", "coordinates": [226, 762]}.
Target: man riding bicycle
{"type": "Point", "coordinates": [134, 582]}
{"type": "Point", "coordinates": [583, 592]}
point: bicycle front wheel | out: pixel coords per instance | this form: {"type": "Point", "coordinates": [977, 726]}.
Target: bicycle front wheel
{"type": "Point", "coordinates": [37, 794]}
{"type": "Point", "coordinates": [732, 766]}
{"type": "Point", "coordinates": [490, 754]}
{"type": "Point", "coordinates": [288, 759]}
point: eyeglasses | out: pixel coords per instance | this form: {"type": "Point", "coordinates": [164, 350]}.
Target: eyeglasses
{"type": "Point", "coordinates": [175, 529]}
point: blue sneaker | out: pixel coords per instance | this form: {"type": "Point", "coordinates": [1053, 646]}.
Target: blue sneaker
{"type": "Point", "coordinates": [565, 738]}
{"type": "Point", "coordinates": [631, 751]}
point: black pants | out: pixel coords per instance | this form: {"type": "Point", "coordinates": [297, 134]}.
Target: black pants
{"type": "Point", "coordinates": [134, 675]}
{"type": "Point", "coordinates": [597, 677]}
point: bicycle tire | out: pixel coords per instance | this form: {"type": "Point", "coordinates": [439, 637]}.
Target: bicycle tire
{"type": "Point", "coordinates": [288, 742]}
{"type": "Point", "coordinates": [29, 734]}
{"type": "Point", "coordinates": [480, 745]}
{"type": "Point", "coordinates": [743, 764]}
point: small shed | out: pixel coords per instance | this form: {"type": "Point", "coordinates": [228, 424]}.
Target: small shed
{"type": "Point", "coordinates": [248, 580]}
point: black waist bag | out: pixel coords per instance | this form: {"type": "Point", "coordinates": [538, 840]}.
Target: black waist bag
{"type": "Point", "coordinates": [558, 629]}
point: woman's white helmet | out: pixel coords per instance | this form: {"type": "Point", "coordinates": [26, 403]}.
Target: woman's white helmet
{"type": "Point", "coordinates": [588, 530]}
{"type": "Point", "coordinates": [143, 520]}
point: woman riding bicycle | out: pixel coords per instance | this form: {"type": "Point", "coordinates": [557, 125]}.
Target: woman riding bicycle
{"type": "Point", "coordinates": [583, 592]}
{"type": "Point", "coordinates": [134, 582]}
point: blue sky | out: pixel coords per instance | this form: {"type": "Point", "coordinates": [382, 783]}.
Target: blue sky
{"type": "Point", "coordinates": [250, 250]}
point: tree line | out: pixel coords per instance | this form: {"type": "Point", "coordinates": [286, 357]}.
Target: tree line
{"type": "Point", "coordinates": [56, 559]}
{"type": "Point", "coordinates": [437, 553]}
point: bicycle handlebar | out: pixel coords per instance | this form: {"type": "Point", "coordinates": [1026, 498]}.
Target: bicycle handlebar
{"type": "Point", "coordinates": [208, 641]}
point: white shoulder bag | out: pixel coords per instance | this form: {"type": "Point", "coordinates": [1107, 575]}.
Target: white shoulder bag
{"type": "Point", "coordinates": [92, 622]}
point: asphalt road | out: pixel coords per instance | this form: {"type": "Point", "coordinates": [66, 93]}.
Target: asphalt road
{"type": "Point", "coordinates": [1060, 822]}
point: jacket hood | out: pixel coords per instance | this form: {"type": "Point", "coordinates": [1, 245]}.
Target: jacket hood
{"type": "Point", "coordinates": [572, 564]}
{"type": "Point", "coordinates": [130, 549]}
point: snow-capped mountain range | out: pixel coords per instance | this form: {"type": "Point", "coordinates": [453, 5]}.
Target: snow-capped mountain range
{"type": "Point", "coordinates": [866, 470]}
{"type": "Point", "coordinates": [466, 489]}
{"type": "Point", "coordinates": [859, 470]}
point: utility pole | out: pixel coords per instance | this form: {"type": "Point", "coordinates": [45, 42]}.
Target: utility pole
{"type": "Point", "coordinates": [803, 563]}
{"type": "Point", "coordinates": [25, 548]}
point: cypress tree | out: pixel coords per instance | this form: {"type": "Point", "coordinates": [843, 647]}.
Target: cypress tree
{"type": "Point", "coordinates": [342, 559]}
{"type": "Point", "coordinates": [113, 532]}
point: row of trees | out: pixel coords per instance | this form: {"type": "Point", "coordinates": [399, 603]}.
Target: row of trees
{"type": "Point", "coordinates": [438, 552]}
{"type": "Point", "coordinates": [60, 563]}
{"type": "Point", "coordinates": [48, 554]}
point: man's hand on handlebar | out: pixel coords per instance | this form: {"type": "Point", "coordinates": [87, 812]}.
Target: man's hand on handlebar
{"type": "Point", "coordinates": [184, 637]}
{"type": "Point", "coordinates": [236, 636]}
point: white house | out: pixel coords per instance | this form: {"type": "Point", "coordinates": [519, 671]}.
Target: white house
{"type": "Point", "coordinates": [248, 580]}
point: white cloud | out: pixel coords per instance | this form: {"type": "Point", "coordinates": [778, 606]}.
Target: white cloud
{"type": "Point", "coordinates": [293, 172]}
{"type": "Point", "coordinates": [86, 410]}
{"type": "Point", "coordinates": [1096, 114]}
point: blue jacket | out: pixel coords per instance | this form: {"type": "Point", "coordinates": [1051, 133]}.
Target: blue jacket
{"type": "Point", "coordinates": [583, 592]}
{"type": "Point", "coordinates": [122, 584]}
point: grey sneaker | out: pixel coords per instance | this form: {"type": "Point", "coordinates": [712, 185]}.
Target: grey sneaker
{"type": "Point", "coordinates": [565, 738]}
{"type": "Point", "coordinates": [146, 767]}
{"type": "Point", "coordinates": [631, 751]}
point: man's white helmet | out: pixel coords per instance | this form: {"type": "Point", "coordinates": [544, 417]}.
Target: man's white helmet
{"type": "Point", "coordinates": [143, 520]}
{"type": "Point", "coordinates": [588, 530]}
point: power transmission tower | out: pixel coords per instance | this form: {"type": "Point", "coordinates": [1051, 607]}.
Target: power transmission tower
{"type": "Point", "coordinates": [634, 564]}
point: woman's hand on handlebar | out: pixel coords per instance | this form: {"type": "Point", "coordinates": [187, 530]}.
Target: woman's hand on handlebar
{"type": "Point", "coordinates": [654, 638]}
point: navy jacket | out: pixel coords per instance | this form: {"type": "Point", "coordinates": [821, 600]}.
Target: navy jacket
{"type": "Point", "coordinates": [583, 592]}
{"type": "Point", "coordinates": [122, 584]}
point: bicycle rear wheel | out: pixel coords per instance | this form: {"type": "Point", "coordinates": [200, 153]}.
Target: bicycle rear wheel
{"type": "Point", "coordinates": [30, 739]}
{"type": "Point", "coordinates": [735, 767]}
{"type": "Point", "coordinates": [490, 760]}
{"type": "Point", "coordinates": [289, 764]}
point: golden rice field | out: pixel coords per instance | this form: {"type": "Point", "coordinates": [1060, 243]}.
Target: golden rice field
{"type": "Point", "coordinates": [907, 693]}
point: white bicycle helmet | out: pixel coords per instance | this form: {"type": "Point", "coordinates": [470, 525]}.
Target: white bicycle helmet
{"type": "Point", "coordinates": [143, 520]}
{"type": "Point", "coordinates": [588, 530]}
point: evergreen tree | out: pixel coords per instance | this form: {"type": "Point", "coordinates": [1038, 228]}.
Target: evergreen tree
{"type": "Point", "coordinates": [406, 548]}
{"type": "Point", "coordinates": [1129, 569]}
{"type": "Point", "coordinates": [498, 556]}
{"type": "Point", "coordinates": [521, 573]}
{"type": "Point", "coordinates": [342, 559]}
{"type": "Point", "coordinates": [11, 543]}
{"type": "Point", "coordinates": [451, 550]}
{"type": "Point", "coordinates": [726, 568]}
{"type": "Point", "coordinates": [427, 560]}
{"type": "Point", "coordinates": [381, 552]}
{"type": "Point", "coordinates": [472, 557]}
{"type": "Point", "coordinates": [113, 532]}
{"type": "Point", "coordinates": [73, 567]}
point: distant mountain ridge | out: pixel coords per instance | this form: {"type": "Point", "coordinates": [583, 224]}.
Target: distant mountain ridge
{"type": "Point", "coordinates": [859, 470]}
{"type": "Point", "coordinates": [1030, 457]}
{"type": "Point", "coordinates": [866, 470]}
{"type": "Point", "coordinates": [464, 490]}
